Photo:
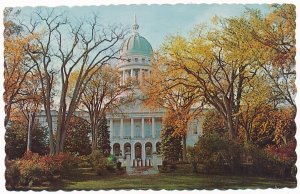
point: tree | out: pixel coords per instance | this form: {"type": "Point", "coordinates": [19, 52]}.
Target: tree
{"type": "Point", "coordinates": [16, 139]}
{"type": "Point", "coordinates": [77, 138]}
{"type": "Point", "coordinates": [279, 125]}
{"type": "Point", "coordinates": [181, 103]}
{"type": "Point", "coordinates": [276, 34]}
{"type": "Point", "coordinates": [213, 122]}
{"type": "Point", "coordinates": [103, 93]}
{"type": "Point", "coordinates": [218, 64]}
{"type": "Point", "coordinates": [66, 47]}
{"type": "Point", "coordinates": [103, 136]}
{"type": "Point", "coordinates": [171, 146]}
{"type": "Point", "coordinates": [257, 102]}
{"type": "Point", "coordinates": [17, 65]}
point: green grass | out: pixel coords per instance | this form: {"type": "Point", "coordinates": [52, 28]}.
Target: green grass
{"type": "Point", "coordinates": [85, 179]}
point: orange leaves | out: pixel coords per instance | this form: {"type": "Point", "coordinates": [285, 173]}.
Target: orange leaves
{"type": "Point", "coordinates": [285, 127]}
{"type": "Point", "coordinates": [20, 80]}
{"type": "Point", "coordinates": [178, 121]}
{"type": "Point", "coordinates": [14, 48]}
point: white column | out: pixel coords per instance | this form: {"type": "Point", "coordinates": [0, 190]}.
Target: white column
{"type": "Point", "coordinates": [111, 126]}
{"type": "Point", "coordinates": [153, 127]}
{"type": "Point", "coordinates": [140, 75]}
{"type": "Point", "coordinates": [132, 152]}
{"type": "Point", "coordinates": [143, 153]}
{"type": "Point", "coordinates": [121, 128]}
{"type": "Point", "coordinates": [132, 127]}
{"type": "Point", "coordinates": [123, 77]}
{"type": "Point", "coordinates": [112, 148]}
{"type": "Point", "coordinates": [143, 127]}
{"type": "Point", "coordinates": [131, 73]}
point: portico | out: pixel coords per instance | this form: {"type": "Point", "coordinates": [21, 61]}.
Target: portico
{"type": "Point", "coordinates": [135, 137]}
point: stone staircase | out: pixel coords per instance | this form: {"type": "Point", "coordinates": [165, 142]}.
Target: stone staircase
{"type": "Point", "coordinates": [145, 170]}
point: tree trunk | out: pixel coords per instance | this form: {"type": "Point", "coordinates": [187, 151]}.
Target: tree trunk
{"type": "Point", "coordinates": [94, 131]}
{"type": "Point", "coordinates": [50, 127]}
{"type": "Point", "coordinates": [248, 133]}
{"type": "Point", "coordinates": [230, 126]}
{"type": "Point", "coordinates": [184, 149]}
{"type": "Point", "coordinates": [29, 132]}
{"type": "Point", "coordinates": [94, 138]}
{"type": "Point", "coordinates": [248, 139]}
{"type": "Point", "coordinates": [7, 116]}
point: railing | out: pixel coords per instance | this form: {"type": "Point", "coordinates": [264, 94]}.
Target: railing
{"type": "Point", "coordinates": [141, 163]}
{"type": "Point", "coordinates": [136, 136]}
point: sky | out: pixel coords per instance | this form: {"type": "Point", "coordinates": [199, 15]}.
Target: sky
{"type": "Point", "coordinates": [157, 21]}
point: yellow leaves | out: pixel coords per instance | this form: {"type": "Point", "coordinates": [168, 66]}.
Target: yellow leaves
{"type": "Point", "coordinates": [257, 92]}
{"type": "Point", "coordinates": [178, 121]}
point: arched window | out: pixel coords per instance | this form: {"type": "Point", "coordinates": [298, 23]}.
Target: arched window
{"type": "Point", "coordinates": [136, 59]}
{"type": "Point", "coordinates": [127, 149]}
{"type": "Point", "coordinates": [117, 149]}
{"type": "Point", "coordinates": [148, 149]}
{"type": "Point", "coordinates": [138, 150]}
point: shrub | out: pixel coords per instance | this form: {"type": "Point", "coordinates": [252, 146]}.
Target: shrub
{"type": "Point", "coordinates": [34, 169]}
{"type": "Point", "coordinates": [66, 162]}
{"type": "Point", "coordinates": [83, 161]}
{"type": "Point", "coordinates": [98, 162]}
{"type": "Point", "coordinates": [59, 164]}
{"type": "Point", "coordinates": [111, 163]}
{"type": "Point", "coordinates": [268, 164]}
{"type": "Point", "coordinates": [31, 172]}
{"type": "Point", "coordinates": [217, 154]}
{"type": "Point", "coordinates": [119, 165]}
{"type": "Point", "coordinates": [12, 175]}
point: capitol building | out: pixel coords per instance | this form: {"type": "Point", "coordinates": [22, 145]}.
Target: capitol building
{"type": "Point", "coordinates": [135, 133]}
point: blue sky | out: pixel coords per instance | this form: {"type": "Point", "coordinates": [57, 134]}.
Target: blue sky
{"type": "Point", "coordinates": [157, 21]}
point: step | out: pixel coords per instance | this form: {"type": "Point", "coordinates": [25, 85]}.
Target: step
{"type": "Point", "coordinates": [143, 171]}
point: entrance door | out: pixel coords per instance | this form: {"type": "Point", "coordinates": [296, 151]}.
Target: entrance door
{"type": "Point", "coordinates": [138, 150]}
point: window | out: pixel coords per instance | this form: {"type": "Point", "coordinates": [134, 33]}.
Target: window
{"type": "Point", "coordinates": [136, 73]}
{"type": "Point", "coordinates": [117, 150]}
{"type": "Point", "coordinates": [136, 59]}
{"type": "Point", "coordinates": [143, 60]}
{"type": "Point", "coordinates": [129, 60]}
{"type": "Point", "coordinates": [127, 149]}
{"type": "Point", "coordinates": [148, 149]}
{"type": "Point", "coordinates": [138, 131]}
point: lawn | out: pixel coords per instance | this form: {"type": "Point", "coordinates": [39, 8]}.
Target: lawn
{"type": "Point", "coordinates": [85, 179]}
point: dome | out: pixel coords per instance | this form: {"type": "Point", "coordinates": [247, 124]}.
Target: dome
{"type": "Point", "coordinates": [136, 44]}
